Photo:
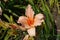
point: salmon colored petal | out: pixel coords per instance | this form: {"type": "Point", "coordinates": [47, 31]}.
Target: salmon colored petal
{"type": "Point", "coordinates": [37, 22]}
{"type": "Point", "coordinates": [23, 21]}
{"type": "Point", "coordinates": [32, 31]}
{"type": "Point", "coordinates": [39, 16]}
{"type": "Point", "coordinates": [38, 19]}
{"type": "Point", "coordinates": [29, 11]}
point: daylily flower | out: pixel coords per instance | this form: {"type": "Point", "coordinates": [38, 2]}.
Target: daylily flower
{"type": "Point", "coordinates": [30, 21]}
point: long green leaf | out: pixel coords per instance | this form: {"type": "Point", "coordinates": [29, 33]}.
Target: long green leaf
{"type": "Point", "coordinates": [7, 17]}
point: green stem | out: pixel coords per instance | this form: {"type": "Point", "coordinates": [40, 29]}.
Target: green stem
{"type": "Point", "coordinates": [7, 37]}
{"type": "Point", "coordinates": [31, 38]}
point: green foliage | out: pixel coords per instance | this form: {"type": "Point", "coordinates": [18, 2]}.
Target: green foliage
{"type": "Point", "coordinates": [12, 9]}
